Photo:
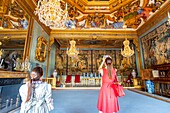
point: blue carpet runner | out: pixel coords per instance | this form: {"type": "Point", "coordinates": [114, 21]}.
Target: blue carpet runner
{"type": "Point", "coordinates": [85, 101]}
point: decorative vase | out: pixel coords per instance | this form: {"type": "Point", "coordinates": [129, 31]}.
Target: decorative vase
{"type": "Point", "coordinates": [133, 73]}
{"type": "Point", "coordinates": [91, 75]}
{"type": "Point", "coordinates": [55, 74]}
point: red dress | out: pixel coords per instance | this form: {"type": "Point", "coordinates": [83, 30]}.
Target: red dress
{"type": "Point", "coordinates": [107, 100]}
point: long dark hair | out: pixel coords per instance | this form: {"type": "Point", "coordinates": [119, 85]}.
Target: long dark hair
{"type": "Point", "coordinates": [39, 72]}
{"type": "Point", "coordinates": [34, 81]}
{"type": "Point", "coordinates": [108, 62]}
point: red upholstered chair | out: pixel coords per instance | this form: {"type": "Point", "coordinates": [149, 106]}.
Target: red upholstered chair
{"type": "Point", "coordinates": [68, 79]}
{"type": "Point", "coordinates": [77, 79]}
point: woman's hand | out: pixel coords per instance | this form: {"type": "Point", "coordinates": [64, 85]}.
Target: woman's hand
{"type": "Point", "coordinates": [104, 58]}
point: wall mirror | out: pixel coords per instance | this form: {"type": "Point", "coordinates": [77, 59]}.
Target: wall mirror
{"type": "Point", "coordinates": [41, 49]}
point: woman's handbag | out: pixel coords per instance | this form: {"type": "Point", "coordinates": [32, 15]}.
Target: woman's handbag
{"type": "Point", "coordinates": [120, 91]}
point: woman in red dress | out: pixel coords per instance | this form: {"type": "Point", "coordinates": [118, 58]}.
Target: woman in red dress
{"type": "Point", "coordinates": [107, 100]}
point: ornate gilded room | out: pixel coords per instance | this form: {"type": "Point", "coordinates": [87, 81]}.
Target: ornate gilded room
{"type": "Point", "coordinates": [68, 39]}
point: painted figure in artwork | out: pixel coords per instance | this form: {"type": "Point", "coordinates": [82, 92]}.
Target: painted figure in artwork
{"type": "Point", "coordinates": [161, 52]}
{"type": "Point", "coordinates": [59, 62]}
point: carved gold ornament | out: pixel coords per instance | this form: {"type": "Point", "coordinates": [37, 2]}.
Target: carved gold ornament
{"type": "Point", "coordinates": [41, 49]}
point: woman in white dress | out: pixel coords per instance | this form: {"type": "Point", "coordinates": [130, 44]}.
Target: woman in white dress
{"type": "Point", "coordinates": [36, 95]}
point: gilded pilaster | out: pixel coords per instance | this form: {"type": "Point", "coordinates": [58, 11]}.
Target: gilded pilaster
{"type": "Point", "coordinates": [50, 43]}
{"type": "Point", "coordinates": [139, 64]}
{"type": "Point", "coordinates": [28, 39]}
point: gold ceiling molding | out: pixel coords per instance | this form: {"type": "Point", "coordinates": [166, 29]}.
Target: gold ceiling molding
{"type": "Point", "coordinates": [98, 3]}
{"type": "Point", "coordinates": [89, 34]}
{"type": "Point", "coordinates": [7, 36]}
{"type": "Point", "coordinates": [159, 15]}
{"type": "Point", "coordinates": [85, 2]}
{"type": "Point", "coordinates": [120, 5]}
{"type": "Point", "coordinates": [13, 32]}
{"type": "Point", "coordinates": [88, 37]}
{"type": "Point", "coordinates": [144, 3]}
{"type": "Point", "coordinates": [85, 6]}
{"type": "Point", "coordinates": [112, 31]}
{"type": "Point", "coordinates": [80, 7]}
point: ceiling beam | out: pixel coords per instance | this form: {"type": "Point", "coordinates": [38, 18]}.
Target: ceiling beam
{"type": "Point", "coordinates": [94, 34]}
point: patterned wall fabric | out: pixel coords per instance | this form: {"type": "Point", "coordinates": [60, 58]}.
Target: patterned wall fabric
{"type": "Point", "coordinates": [89, 60]}
{"type": "Point", "coordinates": [156, 46]}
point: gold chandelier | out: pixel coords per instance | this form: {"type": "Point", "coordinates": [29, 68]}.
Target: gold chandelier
{"type": "Point", "coordinates": [127, 52]}
{"type": "Point", "coordinates": [72, 52]}
{"type": "Point", "coordinates": [51, 14]}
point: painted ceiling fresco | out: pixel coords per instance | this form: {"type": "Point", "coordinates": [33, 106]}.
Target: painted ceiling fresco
{"type": "Point", "coordinates": [87, 14]}
{"type": "Point", "coordinates": [12, 16]}
{"type": "Point", "coordinates": [129, 12]}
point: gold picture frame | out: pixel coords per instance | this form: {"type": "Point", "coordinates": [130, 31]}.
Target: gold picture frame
{"type": "Point", "coordinates": [41, 49]}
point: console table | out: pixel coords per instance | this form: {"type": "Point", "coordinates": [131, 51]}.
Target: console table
{"type": "Point", "coordinates": [162, 83]}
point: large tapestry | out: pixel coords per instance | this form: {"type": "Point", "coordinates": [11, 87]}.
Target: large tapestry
{"type": "Point", "coordinates": [156, 46]}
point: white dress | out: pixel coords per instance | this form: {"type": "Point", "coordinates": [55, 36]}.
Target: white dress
{"type": "Point", "coordinates": [41, 99]}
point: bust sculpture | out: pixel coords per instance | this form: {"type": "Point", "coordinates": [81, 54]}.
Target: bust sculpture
{"type": "Point", "coordinates": [18, 64]}
{"type": "Point", "coordinates": [26, 65]}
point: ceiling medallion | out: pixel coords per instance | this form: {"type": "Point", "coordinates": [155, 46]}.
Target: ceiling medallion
{"type": "Point", "coordinates": [51, 14]}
